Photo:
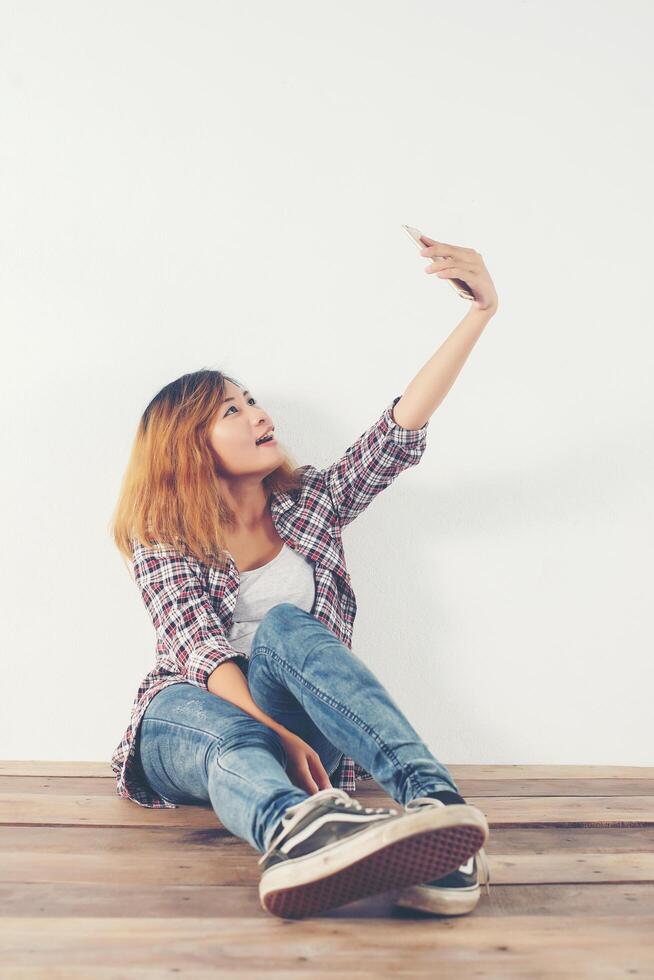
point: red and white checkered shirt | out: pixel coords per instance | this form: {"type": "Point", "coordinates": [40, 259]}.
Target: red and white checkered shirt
{"type": "Point", "coordinates": [191, 604]}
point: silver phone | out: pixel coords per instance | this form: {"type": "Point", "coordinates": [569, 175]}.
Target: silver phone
{"type": "Point", "coordinates": [462, 288]}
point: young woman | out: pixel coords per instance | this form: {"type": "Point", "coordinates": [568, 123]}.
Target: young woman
{"type": "Point", "coordinates": [257, 704]}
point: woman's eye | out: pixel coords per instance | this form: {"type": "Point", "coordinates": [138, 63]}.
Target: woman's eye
{"type": "Point", "coordinates": [250, 399]}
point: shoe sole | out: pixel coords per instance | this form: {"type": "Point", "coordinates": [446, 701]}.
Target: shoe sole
{"type": "Point", "coordinates": [439, 901]}
{"type": "Point", "coordinates": [421, 845]}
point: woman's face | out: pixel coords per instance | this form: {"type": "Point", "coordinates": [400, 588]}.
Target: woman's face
{"type": "Point", "coordinates": [240, 421]}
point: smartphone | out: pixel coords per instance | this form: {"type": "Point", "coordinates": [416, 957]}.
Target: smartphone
{"type": "Point", "coordinates": [462, 288]}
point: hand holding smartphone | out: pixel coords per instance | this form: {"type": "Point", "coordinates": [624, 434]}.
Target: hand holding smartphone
{"type": "Point", "coordinates": [459, 285]}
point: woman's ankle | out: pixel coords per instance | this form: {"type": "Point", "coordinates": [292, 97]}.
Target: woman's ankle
{"type": "Point", "coordinates": [446, 796]}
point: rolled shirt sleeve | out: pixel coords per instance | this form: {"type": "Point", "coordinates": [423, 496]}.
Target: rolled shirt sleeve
{"type": "Point", "coordinates": [371, 464]}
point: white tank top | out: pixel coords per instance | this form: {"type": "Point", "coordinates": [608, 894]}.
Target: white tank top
{"type": "Point", "coordinates": [287, 578]}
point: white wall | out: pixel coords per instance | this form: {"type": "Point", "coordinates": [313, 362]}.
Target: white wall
{"type": "Point", "coordinates": [222, 185]}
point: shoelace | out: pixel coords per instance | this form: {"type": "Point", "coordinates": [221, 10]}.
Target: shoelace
{"type": "Point", "coordinates": [482, 862]}
{"type": "Point", "coordinates": [339, 796]}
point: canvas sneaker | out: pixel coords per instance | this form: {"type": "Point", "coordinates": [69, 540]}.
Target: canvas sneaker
{"type": "Point", "coordinates": [331, 850]}
{"type": "Point", "coordinates": [457, 892]}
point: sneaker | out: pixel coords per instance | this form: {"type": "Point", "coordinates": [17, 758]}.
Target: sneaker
{"type": "Point", "coordinates": [455, 893]}
{"type": "Point", "coordinates": [331, 850]}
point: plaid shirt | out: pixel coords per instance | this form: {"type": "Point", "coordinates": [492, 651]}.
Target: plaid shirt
{"type": "Point", "coordinates": [191, 604]}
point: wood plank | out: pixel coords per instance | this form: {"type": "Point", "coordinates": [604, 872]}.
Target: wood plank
{"type": "Point", "coordinates": [240, 867]}
{"type": "Point", "coordinates": [510, 811]}
{"type": "Point", "coordinates": [97, 786]}
{"type": "Point", "coordinates": [522, 945]}
{"type": "Point", "coordinates": [71, 855]}
{"type": "Point", "coordinates": [168, 841]}
{"type": "Point", "coordinates": [138, 900]}
{"type": "Point", "coordinates": [44, 767]}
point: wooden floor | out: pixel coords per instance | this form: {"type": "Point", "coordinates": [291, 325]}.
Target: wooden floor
{"type": "Point", "coordinates": [94, 886]}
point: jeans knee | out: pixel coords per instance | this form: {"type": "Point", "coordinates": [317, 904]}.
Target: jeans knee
{"type": "Point", "coordinates": [279, 618]}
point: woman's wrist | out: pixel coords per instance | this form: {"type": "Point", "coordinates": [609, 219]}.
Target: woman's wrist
{"type": "Point", "coordinates": [276, 727]}
{"type": "Point", "coordinates": [230, 683]}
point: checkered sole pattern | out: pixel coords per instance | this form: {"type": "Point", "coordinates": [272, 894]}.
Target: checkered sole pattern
{"type": "Point", "coordinates": [404, 849]}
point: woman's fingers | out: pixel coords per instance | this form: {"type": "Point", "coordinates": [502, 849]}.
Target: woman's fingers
{"type": "Point", "coordinates": [445, 249]}
{"type": "Point", "coordinates": [304, 766]}
{"type": "Point", "coordinates": [303, 779]}
{"type": "Point", "coordinates": [320, 773]}
{"type": "Point", "coordinates": [309, 783]}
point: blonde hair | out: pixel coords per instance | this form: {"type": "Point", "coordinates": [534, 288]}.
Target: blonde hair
{"type": "Point", "coordinates": [170, 493]}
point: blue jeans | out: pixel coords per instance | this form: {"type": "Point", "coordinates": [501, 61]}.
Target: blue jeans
{"type": "Point", "coordinates": [198, 748]}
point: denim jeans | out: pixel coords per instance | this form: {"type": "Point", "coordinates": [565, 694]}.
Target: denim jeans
{"type": "Point", "coordinates": [198, 748]}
